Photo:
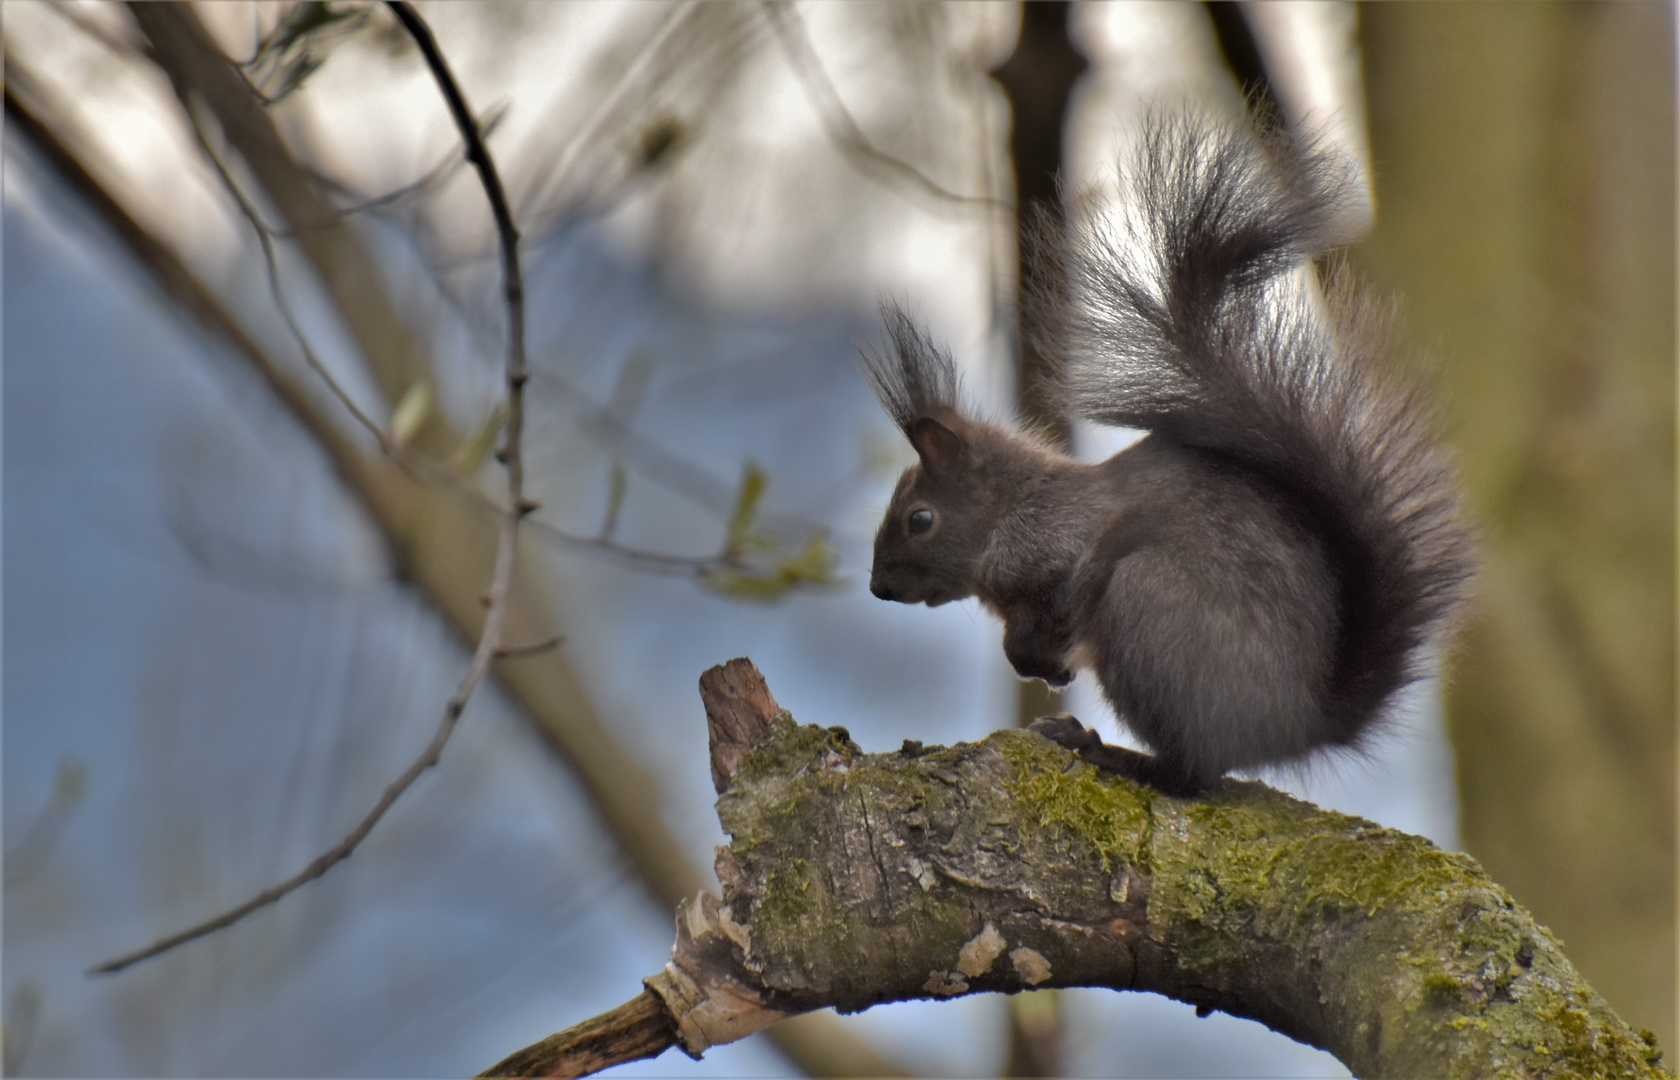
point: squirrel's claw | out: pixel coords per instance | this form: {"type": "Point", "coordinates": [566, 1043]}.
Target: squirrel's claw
{"type": "Point", "coordinates": [1065, 730]}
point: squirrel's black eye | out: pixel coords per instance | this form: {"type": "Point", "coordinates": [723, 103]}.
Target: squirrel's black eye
{"type": "Point", "coordinates": [920, 521]}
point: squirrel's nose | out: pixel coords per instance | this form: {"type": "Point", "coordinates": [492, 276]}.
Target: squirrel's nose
{"type": "Point", "coordinates": [881, 591]}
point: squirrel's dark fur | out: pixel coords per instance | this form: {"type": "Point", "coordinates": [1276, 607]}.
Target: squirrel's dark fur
{"type": "Point", "coordinates": [1255, 579]}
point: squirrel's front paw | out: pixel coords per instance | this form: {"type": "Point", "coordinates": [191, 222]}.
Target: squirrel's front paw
{"type": "Point", "coordinates": [1066, 731]}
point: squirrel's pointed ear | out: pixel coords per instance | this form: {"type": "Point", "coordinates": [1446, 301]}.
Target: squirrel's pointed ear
{"type": "Point", "coordinates": [938, 446]}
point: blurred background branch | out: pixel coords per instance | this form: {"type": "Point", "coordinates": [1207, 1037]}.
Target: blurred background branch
{"type": "Point", "coordinates": [445, 549]}
{"type": "Point", "coordinates": [489, 645]}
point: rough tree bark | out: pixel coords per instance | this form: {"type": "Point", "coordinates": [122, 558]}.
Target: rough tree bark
{"type": "Point", "coordinates": [854, 879]}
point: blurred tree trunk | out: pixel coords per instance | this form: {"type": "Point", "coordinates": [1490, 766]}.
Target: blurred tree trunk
{"type": "Point", "coordinates": [1526, 212]}
{"type": "Point", "coordinates": [1038, 77]}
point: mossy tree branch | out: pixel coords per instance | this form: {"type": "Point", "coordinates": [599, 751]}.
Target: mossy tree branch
{"type": "Point", "coordinates": [854, 879]}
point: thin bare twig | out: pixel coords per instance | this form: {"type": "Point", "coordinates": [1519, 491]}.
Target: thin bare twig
{"type": "Point", "coordinates": [604, 426]}
{"type": "Point", "coordinates": [162, 267]}
{"type": "Point", "coordinates": [660, 465]}
{"type": "Point", "coordinates": [490, 639]}
{"type": "Point", "coordinates": [427, 470]}
{"type": "Point", "coordinates": [841, 126]}
{"type": "Point", "coordinates": [265, 238]}
{"type": "Point", "coordinates": [177, 282]}
{"type": "Point", "coordinates": [561, 168]}
{"type": "Point", "coordinates": [433, 177]}
{"type": "Point", "coordinates": [420, 466]}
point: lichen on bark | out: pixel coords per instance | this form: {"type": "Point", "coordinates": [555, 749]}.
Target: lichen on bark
{"type": "Point", "coordinates": [878, 877]}
{"type": "Point", "coordinates": [853, 879]}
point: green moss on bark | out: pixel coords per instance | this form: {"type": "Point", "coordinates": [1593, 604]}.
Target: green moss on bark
{"type": "Point", "coordinates": [1257, 861]}
{"type": "Point", "coordinates": [862, 876]}
{"type": "Point", "coordinates": [1110, 813]}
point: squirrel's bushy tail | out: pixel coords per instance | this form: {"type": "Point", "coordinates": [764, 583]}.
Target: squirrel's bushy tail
{"type": "Point", "coordinates": [1189, 321]}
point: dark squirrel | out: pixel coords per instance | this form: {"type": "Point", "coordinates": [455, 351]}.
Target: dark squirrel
{"type": "Point", "coordinates": [1254, 580]}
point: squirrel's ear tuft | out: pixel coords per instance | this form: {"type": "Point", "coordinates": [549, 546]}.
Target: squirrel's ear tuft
{"type": "Point", "coordinates": [912, 377]}
{"type": "Point", "coordinates": [938, 446]}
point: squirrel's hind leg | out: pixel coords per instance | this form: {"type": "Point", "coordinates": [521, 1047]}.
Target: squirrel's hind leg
{"type": "Point", "coordinates": [1066, 731]}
